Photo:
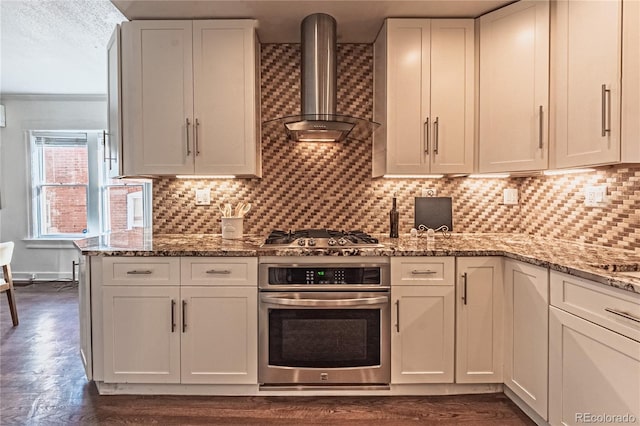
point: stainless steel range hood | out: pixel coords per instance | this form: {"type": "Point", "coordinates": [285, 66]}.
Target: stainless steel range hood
{"type": "Point", "coordinates": [319, 121]}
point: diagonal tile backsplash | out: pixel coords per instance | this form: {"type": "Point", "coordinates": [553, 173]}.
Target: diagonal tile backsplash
{"type": "Point", "coordinates": [330, 185]}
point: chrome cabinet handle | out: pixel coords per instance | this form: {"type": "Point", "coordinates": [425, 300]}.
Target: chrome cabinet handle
{"type": "Point", "coordinates": [184, 316]}
{"type": "Point", "coordinates": [219, 271]}
{"type": "Point", "coordinates": [606, 112]}
{"type": "Point", "coordinates": [426, 272]}
{"type": "Point", "coordinates": [622, 314]}
{"type": "Point", "coordinates": [436, 134]}
{"type": "Point", "coordinates": [398, 316]}
{"type": "Point", "coordinates": [325, 303]}
{"type": "Point", "coordinates": [540, 127]}
{"type": "Point", "coordinates": [464, 288]}
{"type": "Point", "coordinates": [195, 136]}
{"type": "Point", "coordinates": [136, 272]}
{"type": "Point", "coordinates": [188, 147]}
{"type": "Point", "coordinates": [173, 315]}
{"type": "Point", "coordinates": [104, 144]}
{"type": "Point", "coordinates": [426, 136]}
{"type": "Point", "coordinates": [106, 156]}
{"type": "Point", "coordinates": [73, 271]}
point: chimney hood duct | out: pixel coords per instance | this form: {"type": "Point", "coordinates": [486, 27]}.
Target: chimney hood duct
{"type": "Point", "coordinates": [319, 121]}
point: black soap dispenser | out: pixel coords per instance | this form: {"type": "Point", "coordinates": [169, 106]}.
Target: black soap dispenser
{"type": "Point", "coordinates": [394, 219]}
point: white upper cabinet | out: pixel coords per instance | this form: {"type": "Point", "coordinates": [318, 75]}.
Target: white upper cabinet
{"type": "Point", "coordinates": [585, 82]}
{"type": "Point", "coordinates": [113, 135]}
{"type": "Point", "coordinates": [190, 97]}
{"type": "Point", "coordinates": [514, 88]}
{"type": "Point", "coordinates": [424, 96]}
{"type": "Point", "coordinates": [631, 82]}
{"type": "Point", "coordinates": [226, 105]}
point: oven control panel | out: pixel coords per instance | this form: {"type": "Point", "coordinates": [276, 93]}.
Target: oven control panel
{"type": "Point", "coordinates": [324, 275]}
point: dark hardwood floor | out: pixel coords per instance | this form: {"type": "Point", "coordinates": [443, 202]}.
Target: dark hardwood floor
{"type": "Point", "coordinates": [42, 383]}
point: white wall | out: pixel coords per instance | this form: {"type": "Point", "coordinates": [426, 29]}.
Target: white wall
{"type": "Point", "coordinates": [37, 112]}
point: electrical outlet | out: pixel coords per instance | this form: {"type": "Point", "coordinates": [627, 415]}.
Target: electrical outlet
{"type": "Point", "coordinates": [595, 195]}
{"type": "Point", "coordinates": [428, 192]}
{"type": "Point", "coordinates": [203, 197]}
{"type": "Point", "coordinates": [510, 196]}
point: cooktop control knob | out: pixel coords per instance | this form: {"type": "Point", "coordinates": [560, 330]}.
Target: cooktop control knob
{"type": "Point", "coordinates": [342, 241]}
{"type": "Point", "coordinates": [332, 242]}
{"type": "Point", "coordinates": [311, 242]}
{"type": "Point", "coordinates": [301, 242]}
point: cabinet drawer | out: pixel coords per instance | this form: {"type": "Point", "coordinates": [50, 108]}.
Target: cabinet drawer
{"type": "Point", "coordinates": [423, 270]}
{"type": "Point", "coordinates": [221, 271]}
{"type": "Point", "coordinates": [141, 271]}
{"type": "Point", "coordinates": [603, 305]}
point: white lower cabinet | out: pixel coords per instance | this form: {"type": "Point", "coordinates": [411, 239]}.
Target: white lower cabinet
{"type": "Point", "coordinates": [479, 329]}
{"type": "Point", "coordinates": [592, 372]}
{"type": "Point", "coordinates": [594, 353]}
{"type": "Point", "coordinates": [84, 311]}
{"type": "Point", "coordinates": [526, 306]}
{"type": "Point", "coordinates": [422, 335]}
{"type": "Point", "coordinates": [141, 340]}
{"type": "Point", "coordinates": [219, 335]}
{"type": "Point", "coordinates": [203, 333]}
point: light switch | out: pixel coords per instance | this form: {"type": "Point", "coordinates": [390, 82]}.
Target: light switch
{"type": "Point", "coordinates": [510, 196]}
{"type": "Point", "coordinates": [203, 197]}
{"type": "Point", "coordinates": [595, 195]}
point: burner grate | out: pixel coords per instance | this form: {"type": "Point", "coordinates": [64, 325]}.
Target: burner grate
{"type": "Point", "coordinates": [321, 237]}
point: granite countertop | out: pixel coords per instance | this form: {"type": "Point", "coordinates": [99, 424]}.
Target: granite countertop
{"type": "Point", "coordinates": [602, 264]}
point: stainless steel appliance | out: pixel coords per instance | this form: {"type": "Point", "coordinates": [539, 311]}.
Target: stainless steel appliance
{"type": "Point", "coordinates": [319, 121]}
{"type": "Point", "coordinates": [321, 238]}
{"type": "Point", "coordinates": [324, 321]}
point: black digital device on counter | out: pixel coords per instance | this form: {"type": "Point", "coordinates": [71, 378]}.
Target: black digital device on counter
{"type": "Point", "coordinates": [433, 212]}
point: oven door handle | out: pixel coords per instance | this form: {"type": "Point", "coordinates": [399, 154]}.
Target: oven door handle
{"type": "Point", "coordinates": [325, 302]}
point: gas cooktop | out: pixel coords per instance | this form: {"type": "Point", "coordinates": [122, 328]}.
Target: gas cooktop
{"type": "Point", "coordinates": [321, 238]}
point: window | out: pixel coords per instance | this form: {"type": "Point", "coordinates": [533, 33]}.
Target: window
{"type": "Point", "coordinates": [73, 197]}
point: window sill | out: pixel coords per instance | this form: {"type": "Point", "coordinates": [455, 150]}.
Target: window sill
{"type": "Point", "coordinates": [49, 243]}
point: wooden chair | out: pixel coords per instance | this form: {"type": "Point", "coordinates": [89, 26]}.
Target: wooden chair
{"type": "Point", "coordinates": [6, 283]}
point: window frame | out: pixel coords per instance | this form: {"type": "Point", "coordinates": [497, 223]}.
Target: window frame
{"type": "Point", "coordinates": [97, 187]}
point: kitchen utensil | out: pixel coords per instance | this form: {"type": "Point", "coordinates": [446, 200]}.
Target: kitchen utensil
{"type": "Point", "coordinates": [226, 210]}
{"type": "Point", "coordinates": [239, 208]}
{"type": "Point", "coordinates": [244, 210]}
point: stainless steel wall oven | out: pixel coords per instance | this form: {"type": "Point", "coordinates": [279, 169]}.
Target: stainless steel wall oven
{"type": "Point", "coordinates": [324, 321]}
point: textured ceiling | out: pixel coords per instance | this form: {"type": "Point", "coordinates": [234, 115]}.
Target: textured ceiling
{"type": "Point", "coordinates": [58, 46]}
{"type": "Point", "coordinates": [55, 46]}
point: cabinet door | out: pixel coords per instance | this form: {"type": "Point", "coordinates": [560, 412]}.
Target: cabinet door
{"type": "Point", "coordinates": [158, 97]}
{"type": "Point", "coordinates": [586, 87]}
{"type": "Point", "coordinates": [141, 338]}
{"type": "Point", "coordinates": [113, 137]}
{"type": "Point", "coordinates": [631, 82]}
{"type": "Point", "coordinates": [479, 328]}
{"type": "Point", "coordinates": [592, 371]}
{"type": "Point", "coordinates": [514, 87]}
{"type": "Point", "coordinates": [422, 334]}
{"type": "Point", "coordinates": [408, 93]}
{"type": "Point", "coordinates": [84, 311]}
{"type": "Point", "coordinates": [452, 95]}
{"type": "Point", "coordinates": [219, 335]}
{"type": "Point", "coordinates": [526, 333]}
{"type": "Point", "coordinates": [225, 96]}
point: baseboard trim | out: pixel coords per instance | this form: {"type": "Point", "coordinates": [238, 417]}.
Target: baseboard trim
{"type": "Point", "coordinates": [537, 419]}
